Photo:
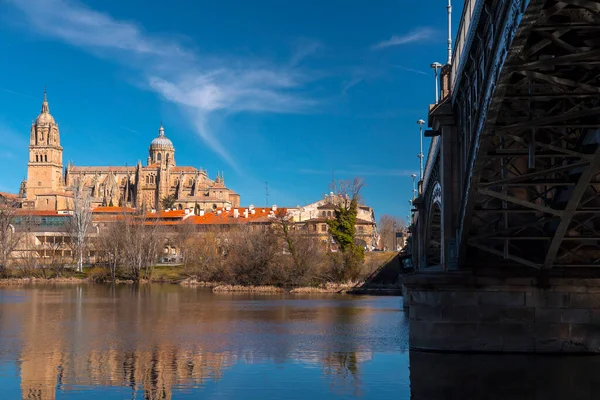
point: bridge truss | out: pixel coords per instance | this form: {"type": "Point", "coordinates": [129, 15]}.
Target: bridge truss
{"type": "Point", "coordinates": [533, 194]}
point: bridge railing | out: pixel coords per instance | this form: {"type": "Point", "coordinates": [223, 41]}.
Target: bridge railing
{"type": "Point", "coordinates": [462, 35]}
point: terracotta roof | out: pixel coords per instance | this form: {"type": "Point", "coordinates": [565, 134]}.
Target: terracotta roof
{"type": "Point", "coordinates": [9, 195]}
{"type": "Point", "coordinates": [113, 210]}
{"type": "Point", "coordinates": [184, 169]}
{"type": "Point", "coordinates": [45, 213]}
{"type": "Point", "coordinates": [102, 169]}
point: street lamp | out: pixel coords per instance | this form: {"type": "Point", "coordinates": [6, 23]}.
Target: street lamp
{"type": "Point", "coordinates": [436, 66]}
{"type": "Point", "coordinates": [414, 176]}
{"type": "Point", "coordinates": [421, 123]}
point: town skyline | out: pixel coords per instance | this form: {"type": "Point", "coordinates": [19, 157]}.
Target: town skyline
{"type": "Point", "coordinates": [286, 110]}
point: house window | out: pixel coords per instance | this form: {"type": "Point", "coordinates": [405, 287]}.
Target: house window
{"type": "Point", "coordinates": [323, 228]}
{"type": "Point", "coordinates": [329, 213]}
{"type": "Point", "coordinates": [148, 180]}
{"type": "Point", "coordinates": [324, 213]}
{"type": "Point", "coordinates": [361, 229]}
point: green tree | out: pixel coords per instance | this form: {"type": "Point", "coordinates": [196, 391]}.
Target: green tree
{"type": "Point", "coordinates": [168, 201]}
{"type": "Point", "coordinates": [343, 228]}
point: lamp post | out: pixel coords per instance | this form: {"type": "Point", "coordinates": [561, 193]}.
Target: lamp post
{"type": "Point", "coordinates": [414, 177]}
{"type": "Point", "coordinates": [435, 66]}
{"type": "Point", "coordinates": [421, 123]}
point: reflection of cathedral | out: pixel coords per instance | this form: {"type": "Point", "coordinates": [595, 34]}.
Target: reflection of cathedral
{"type": "Point", "coordinates": [137, 186]}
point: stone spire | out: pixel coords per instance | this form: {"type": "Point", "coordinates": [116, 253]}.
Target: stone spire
{"type": "Point", "coordinates": [45, 109]}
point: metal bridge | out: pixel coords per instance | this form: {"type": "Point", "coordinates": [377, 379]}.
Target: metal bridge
{"type": "Point", "coordinates": [512, 176]}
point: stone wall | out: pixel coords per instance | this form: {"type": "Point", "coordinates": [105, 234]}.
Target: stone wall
{"type": "Point", "coordinates": [454, 312]}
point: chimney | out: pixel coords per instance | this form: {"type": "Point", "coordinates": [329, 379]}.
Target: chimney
{"type": "Point", "coordinates": [187, 211]}
{"type": "Point", "coordinates": [201, 213]}
{"type": "Point", "coordinates": [246, 213]}
{"type": "Point", "coordinates": [236, 213]}
{"type": "Point", "coordinates": [228, 208]}
{"type": "Point", "coordinates": [274, 207]}
{"type": "Point", "coordinates": [153, 211]}
{"type": "Point", "coordinates": [219, 212]}
{"type": "Point", "coordinates": [251, 207]}
{"type": "Point", "coordinates": [252, 211]}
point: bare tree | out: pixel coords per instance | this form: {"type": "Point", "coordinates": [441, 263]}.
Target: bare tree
{"type": "Point", "coordinates": [9, 236]}
{"type": "Point", "coordinates": [140, 241]}
{"type": "Point", "coordinates": [304, 251]}
{"type": "Point", "coordinates": [388, 226]}
{"type": "Point", "coordinates": [80, 222]}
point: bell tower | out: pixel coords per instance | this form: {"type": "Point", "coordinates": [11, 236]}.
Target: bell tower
{"type": "Point", "coordinates": [44, 170]}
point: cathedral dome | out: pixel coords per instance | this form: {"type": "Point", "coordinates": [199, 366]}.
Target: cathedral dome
{"type": "Point", "coordinates": [161, 141]}
{"type": "Point", "coordinates": [44, 118]}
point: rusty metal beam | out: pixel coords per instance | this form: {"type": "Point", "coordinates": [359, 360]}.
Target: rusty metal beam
{"type": "Point", "coordinates": [583, 183]}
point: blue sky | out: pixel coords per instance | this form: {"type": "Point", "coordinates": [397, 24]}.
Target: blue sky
{"type": "Point", "coordinates": [271, 91]}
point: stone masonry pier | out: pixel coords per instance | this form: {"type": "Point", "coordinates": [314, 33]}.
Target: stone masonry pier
{"type": "Point", "coordinates": [462, 312]}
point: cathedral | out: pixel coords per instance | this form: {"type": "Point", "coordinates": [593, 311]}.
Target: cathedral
{"type": "Point", "coordinates": [160, 181]}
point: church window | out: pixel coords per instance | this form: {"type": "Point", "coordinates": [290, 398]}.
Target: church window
{"type": "Point", "coordinates": [46, 157]}
{"type": "Point", "coordinates": [47, 201]}
{"type": "Point", "coordinates": [147, 180]}
{"type": "Point", "coordinates": [191, 182]}
{"type": "Point", "coordinates": [37, 158]}
{"type": "Point", "coordinates": [159, 157]}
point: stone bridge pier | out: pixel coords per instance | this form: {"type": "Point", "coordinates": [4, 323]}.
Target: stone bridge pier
{"type": "Point", "coordinates": [506, 227]}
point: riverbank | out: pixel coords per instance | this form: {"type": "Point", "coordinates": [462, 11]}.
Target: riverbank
{"type": "Point", "coordinates": [341, 288]}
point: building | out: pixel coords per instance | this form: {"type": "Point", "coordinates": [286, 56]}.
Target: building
{"type": "Point", "coordinates": [313, 218]}
{"type": "Point", "coordinates": [49, 186]}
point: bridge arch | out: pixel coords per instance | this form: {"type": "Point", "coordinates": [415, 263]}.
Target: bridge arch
{"type": "Point", "coordinates": [433, 251]}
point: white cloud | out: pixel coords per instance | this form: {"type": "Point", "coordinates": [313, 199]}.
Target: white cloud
{"type": "Point", "coordinates": [199, 85]}
{"type": "Point", "coordinates": [417, 35]}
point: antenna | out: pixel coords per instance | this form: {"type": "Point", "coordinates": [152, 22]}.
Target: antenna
{"type": "Point", "coordinates": [267, 192]}
{"type": "Point", "coordinates": [449, 8]}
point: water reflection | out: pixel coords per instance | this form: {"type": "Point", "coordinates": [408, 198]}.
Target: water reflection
{"type": "Point", "coordinates": [154, 341]}
{"type": "Point", "coordinates": [163, 342]}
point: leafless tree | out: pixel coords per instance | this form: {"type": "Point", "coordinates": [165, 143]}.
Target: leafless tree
{"type": "Point", "coordinates": [9, 236]}
{"type": "Point", "coordinates": [305, 256]}
{"type": "Point", "coordinates": [141, 239]}
{"type": "Point", "coordinates": [79, 223]}
{"type": "Point", "coordinates": [388, 226]}
{"type": "Point", "coordinates": [111, 243]}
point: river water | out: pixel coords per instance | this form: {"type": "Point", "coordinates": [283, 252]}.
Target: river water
{"type": "Point", "coordinates": [170, 342]}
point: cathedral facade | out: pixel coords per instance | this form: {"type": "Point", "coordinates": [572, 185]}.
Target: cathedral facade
{"type": "Point", "coordinates": [160, 181]}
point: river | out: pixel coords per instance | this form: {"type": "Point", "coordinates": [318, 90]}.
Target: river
{"type": "Point", "coordinates": [171, 342]}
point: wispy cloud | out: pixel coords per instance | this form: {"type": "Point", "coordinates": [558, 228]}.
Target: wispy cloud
{"type": "Point", "coordinates": [129, 129]}
{"type": "Point", "coordinates": [416, 71]}
{"type": "Point", "coordinates": [18, 93]}
{"type": "Point", "coordinates": [358, 171]}
{"type": "Point", "coordinates": [200, 85]}
{"type": "Point", "coordinates": [417, 35]}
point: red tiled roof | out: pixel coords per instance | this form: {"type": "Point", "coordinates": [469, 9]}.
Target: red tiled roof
{"type": "Point", "coordinates": [113, 210]}
{"type": "Point", "coordinates": [9, 195]}
{"type": "Point", "coordinates": [184, 169]}
{"type": "Point", "coordinates": [45, 213]}
{"type": "Point", "coordinates": [103, 169]}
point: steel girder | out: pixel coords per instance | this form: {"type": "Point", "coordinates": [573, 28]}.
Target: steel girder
{"type": "Point", "coordinates": [533, 192]}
